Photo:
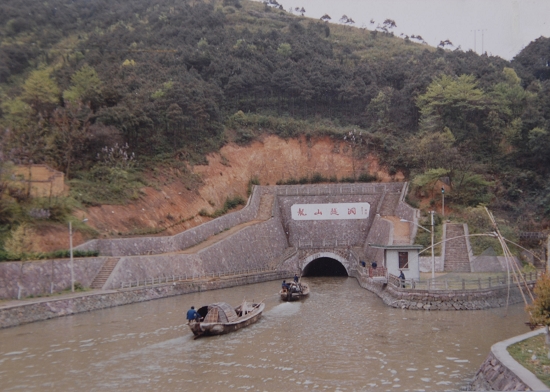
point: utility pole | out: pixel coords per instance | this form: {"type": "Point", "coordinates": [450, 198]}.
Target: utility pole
{"type": "Point", "coordinates": [71, 254]}
{"type": "Point", "coordinates": [442, 201]}
{"type": "Point", "coordinates": [482, 35]}
{"type": "Point", "coordinates": [475, 49]}
{"type": "Point", "coordinates": [548, 255]}
{"type": "Point", "coordinates": [433, 258]}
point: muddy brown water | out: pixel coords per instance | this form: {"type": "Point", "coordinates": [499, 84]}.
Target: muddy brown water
{"type": "Point", "coordinates": [342, 338]}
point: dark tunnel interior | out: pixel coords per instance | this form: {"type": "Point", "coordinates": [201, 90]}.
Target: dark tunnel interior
{"type": "Point", "coordinates": [325, 266]}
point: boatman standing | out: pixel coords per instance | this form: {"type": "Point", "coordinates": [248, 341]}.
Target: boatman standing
{"type": "Point", "coordinates": [192, 314]}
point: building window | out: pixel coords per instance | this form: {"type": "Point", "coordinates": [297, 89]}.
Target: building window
{"type": "Point", "coordinates": [403, 260]}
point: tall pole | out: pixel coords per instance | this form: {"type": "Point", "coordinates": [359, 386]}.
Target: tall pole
{"type": "Point", "coordinates": [442, 201]}
{"type": "Point", "coordinates": [71, 253]}
{"type": "Point", "coordinates": [548, 255]}
{"type": "Point", "coordinates": [482, 40]}
{"type": "Point", "coordinates": [433, 258]}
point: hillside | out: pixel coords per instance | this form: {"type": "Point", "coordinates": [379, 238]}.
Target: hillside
{"type": "Point", "coordinates": [160, 209]}
{"type": "Point", "coordinates": [124, 97]}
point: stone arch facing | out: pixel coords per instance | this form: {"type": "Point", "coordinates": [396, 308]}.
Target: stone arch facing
{"type": "Point", "coordinates": [303, 263]}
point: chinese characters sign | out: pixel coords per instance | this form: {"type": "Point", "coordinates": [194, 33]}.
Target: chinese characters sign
{"type": "Point", "coordinates": [332, 211]}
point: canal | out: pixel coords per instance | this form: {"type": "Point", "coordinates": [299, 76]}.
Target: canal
{"type": "Point", "coordinates": [342, 338]}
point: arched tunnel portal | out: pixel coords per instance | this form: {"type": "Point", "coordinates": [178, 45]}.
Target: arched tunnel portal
{"type": "Point", "coordinates": [325, 265]}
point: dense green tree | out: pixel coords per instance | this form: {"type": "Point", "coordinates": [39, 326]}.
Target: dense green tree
{"type": "Point", "coordinates": [84, 83]}
{"type": "Point", "coordinates": [40, 89]}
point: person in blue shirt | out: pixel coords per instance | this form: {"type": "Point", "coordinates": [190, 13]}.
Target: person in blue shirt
{"type": "Point", "coordinates": [402, 278]}
{"type": "Point", "coordinates": [285, 285]}
{"type": "Point", "coordinates": [192, 314]}
{"type": "Point", "coordinates": [296, 278]}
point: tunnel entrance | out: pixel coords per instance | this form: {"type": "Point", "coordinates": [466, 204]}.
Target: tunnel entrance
{"type": "Point", "coordinates": [325, 266]}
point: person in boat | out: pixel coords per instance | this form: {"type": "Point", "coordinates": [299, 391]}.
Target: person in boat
{"type": "Point", "coordinates": [296, 278]}
{"type": "Point", "coordinates": [192, 314]}
{"type": "Point", "coordinates": [285, 286]}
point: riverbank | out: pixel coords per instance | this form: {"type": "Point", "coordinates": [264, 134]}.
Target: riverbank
{"type": "Point", "coordinates": [501, 372]}
{"type": "Point", "coordinates": [18, 312]}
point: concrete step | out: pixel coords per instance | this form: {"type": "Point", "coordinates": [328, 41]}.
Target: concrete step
{"type": "Point", "coordinates": [457, 258]}
{"type": "Point", "coordinates": [104, 273]}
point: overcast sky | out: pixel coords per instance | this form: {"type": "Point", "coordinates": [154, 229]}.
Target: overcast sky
{"type": "Point", "coordinates": [499, 27]}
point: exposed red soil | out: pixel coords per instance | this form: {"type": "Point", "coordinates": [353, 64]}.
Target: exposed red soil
{"type": "Point", "coordinates": [269, 160]}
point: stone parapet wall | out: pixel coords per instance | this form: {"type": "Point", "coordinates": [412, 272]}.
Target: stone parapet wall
{"type": "Point", "coordinates": [183, 240]}
{"type": "Point", "coordinates": [26, 278]}
{"type": "Point", "coordinates": [253, 247]}
{"type": "Point", "coordinates": [51, 308]}
{"type": "Point", "coordinates": [440, 299]}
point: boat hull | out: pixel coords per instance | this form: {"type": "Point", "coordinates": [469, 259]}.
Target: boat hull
{"type": "Point", "coordinates": [285, 296]}
{"type": "Point", "coordinates": [292, 295]}
{"type": "Point", "coordinates": [211, 329]}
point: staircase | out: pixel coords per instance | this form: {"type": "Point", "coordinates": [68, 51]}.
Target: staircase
{"type": "Point", "coordinates": [457, 258]}
{"type": "Point", "coordinates": [104, 273]}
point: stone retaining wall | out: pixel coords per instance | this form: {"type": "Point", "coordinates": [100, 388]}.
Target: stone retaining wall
{"type": "Point", "coordinates": [440, 299]}
{"type": "Point", "coordinates": [183, 240]}
{"type": "Point", "coordinates": [494, 376]}
{"type": "Point", "coordinates": [50, 308]}
{"type": "Point", "coordinates": [45, 276]}
{"type": "Point", "coordinates": [501, 372]}
{"type": "Point", "coordinates": [253, 247]}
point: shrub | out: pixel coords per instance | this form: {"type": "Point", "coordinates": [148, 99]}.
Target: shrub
{"type": "Point", "coordinates": [366, 177]}
{"type": "Point", "coordinates": [318, 178]}
{"type": "Point", "coordinates": [253, 181]}
{"type": "Point", "coordinates": [348, 179]}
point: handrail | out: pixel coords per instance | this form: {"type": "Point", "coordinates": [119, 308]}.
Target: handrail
{"type": "Point", "coordinates": [348, 189]}
{"type": "Point", "coordinates": [186, 277]}
{"type": "Point", "coordinates": [458, 284]}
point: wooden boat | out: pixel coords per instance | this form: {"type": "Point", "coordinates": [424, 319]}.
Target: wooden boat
{"type": "Point", "coordinates": [220, 318]}
{"type": "Point", "coordinates": [295, 292]}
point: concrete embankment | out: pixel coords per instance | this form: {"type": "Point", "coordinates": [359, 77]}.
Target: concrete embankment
{"type": "Point", "coordinates": [415, 299]}
{"type": "Point", "coordinates": [501, 372]}
{"type": "Point", "coordinates": [16, 313]}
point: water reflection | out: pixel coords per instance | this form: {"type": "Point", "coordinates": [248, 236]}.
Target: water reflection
{"type": "Point", "coordinates": [341, 338]}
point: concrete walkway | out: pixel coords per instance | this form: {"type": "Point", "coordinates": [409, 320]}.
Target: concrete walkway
{"type": "Point", "coordinates": [7, 304]}
{"type": "Point", "coordinates": [500, 351]}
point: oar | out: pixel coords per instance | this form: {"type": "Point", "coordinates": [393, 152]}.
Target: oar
{"type": "Point", "coordinates": [259, 303]}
